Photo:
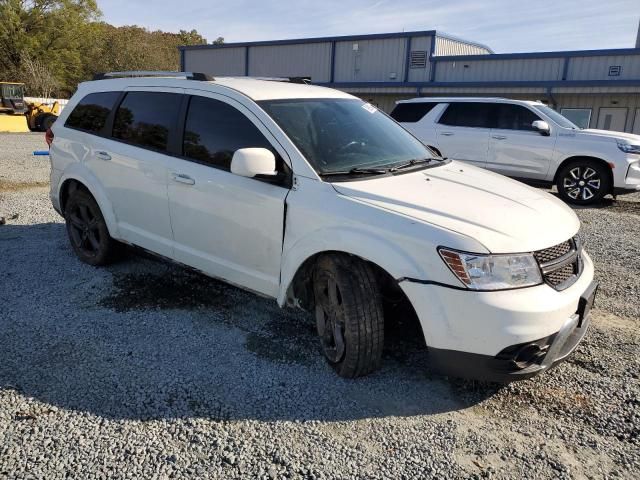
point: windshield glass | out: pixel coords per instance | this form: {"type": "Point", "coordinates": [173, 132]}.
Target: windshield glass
{"type": "Point", "coordinates": [12, 91]}
{"type": "Point", "coordinates": [340, 134]}
{"type": "Point", "coordinates": [556, 117]}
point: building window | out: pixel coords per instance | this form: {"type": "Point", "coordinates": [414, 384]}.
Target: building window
{"type": "Point", "coordinates": [418, 59]}
{"type": "Point", "coordinates": [580, 116]}
{"type": "Point", "coordinates": [615, 70]}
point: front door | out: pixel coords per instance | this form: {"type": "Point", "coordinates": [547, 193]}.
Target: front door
{"type": "Point", "coordinates": [612, 118]}
{"type": "Point", "coordinates": [462, 132]}
{"type": "Point", "coordinates": [226, 225]}
{"type": "Point", "coordinates": [515, 148]}
{"type": "Point", "coordinates": [132, 164]}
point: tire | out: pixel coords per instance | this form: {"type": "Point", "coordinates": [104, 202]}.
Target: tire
{"type": "Point", "coordinates": [583, 182]}
{"type": "Point", "coordinates": [349, 315]}
{"type": "Point", "coordinates": [87, 230]}
{"type": "Point", "coordinates": [44, 121]}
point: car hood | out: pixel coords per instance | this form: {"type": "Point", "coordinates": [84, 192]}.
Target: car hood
{"type": "Point", "coordinates": [504, 215]}
{"type": "Point", "coordinates": [607, 134]}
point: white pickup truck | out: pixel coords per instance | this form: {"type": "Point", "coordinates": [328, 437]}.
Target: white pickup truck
{"type": "Point", "coordinates": [529, 141]}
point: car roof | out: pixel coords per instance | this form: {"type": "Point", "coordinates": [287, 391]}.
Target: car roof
{"type": "Point", "coordinates": [253, 88]}
{"type": "Point", "coordinates": [468, 99]}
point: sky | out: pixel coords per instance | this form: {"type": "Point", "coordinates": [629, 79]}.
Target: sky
{"type": "Point", "coordinates": [505, 26]}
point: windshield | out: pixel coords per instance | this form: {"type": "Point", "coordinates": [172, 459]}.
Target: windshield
{"type": "Point", "coordinates": [341, 134]}
{"type": "Point", "coordinates": [12, 91]}
{"type": "Point", "coordinates": [556, 117]}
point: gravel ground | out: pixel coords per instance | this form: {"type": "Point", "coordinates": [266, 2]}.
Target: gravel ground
{"type": "Point", "coordinates": [144, 370]}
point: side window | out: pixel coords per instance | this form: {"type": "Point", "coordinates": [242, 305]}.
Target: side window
{"type": "Point", "coordinates": [90, 114]}
{"type": "Point", "coordinates": [515, 117]}
{"type": "Point", "coordinates": [469, 114]}
{"type": "Point", "coordinates": [146, 118]}
{"type": "Point", "coordinates": [411, 112]}
{"type": "Point", "coordinates": [214, 130]}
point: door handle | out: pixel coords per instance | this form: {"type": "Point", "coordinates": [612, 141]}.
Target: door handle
{"type": "Point", "coordinates": [446, 134]}
{"type": "Point", "coordinates": [103, 156]}
{"type": "Point", "coordinates": [182, 178]}
{"type": "Point", "coordinates": [499, 137]}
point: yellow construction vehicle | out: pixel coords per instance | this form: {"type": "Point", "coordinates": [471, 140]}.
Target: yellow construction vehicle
{"type": "Point", "coordinates": [17, 115]}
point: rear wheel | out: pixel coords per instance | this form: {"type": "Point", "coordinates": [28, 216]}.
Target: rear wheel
{"type": "Point", "coordinates": [44, 121]}
{"type": "Point", "coordinates": [583, 182]}
{"type": "Point", "coordinates": [349, 315]}
{"type": "Point", "coordinates": [87, 230]}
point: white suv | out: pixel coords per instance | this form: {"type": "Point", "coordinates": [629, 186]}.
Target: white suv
{"type": "Point", "coordinates": [314, 198]}
{"type": "Point", "coordinates": [529, 141]}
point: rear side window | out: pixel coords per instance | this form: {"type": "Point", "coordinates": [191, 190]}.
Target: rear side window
{"type": "Point", "coordinates": [469, 114]}
{"type": "Point", "coordinates": [411, 112]}
{"type": "Point", "coordinates": [147, 118]}
{"type": "Point", "coordinates": [515, 117]}
{"type": "Point", "coordinates": [90, 114]}
{"type": "Point", "coordinates": [214, 130]}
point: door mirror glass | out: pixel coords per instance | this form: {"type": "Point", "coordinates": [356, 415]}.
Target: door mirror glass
{"type": "Point", "coordinates": [250, 162]}
{"type": "Point", "coordinates": [541, 127]}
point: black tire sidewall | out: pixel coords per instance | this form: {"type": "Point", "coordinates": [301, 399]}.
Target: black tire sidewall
{"type": "Point", "coordinates": [605, 182]}
{"type": "Point", "coordinates": [363, 314]}
{"type": "Point", "coordinates": [105, 250]}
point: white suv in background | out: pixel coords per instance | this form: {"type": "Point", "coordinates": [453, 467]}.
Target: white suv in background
{"type": "Point", "coordinates": [314, 198]}
{"type": "Point", "coordinates": [529, 141]}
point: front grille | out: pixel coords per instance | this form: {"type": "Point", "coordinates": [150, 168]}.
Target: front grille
{"type": "Point", "coordinates": [561, 265]}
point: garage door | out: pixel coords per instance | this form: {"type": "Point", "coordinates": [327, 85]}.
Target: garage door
{"type": "Point", "coordinates": [612, 119]}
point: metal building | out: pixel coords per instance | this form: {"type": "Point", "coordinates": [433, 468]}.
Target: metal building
{"type": "Point", "coordinates": [595, 88]}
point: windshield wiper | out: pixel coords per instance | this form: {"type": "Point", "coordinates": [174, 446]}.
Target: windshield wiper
{"type": "Point", "coordinates": [410, 163]}
{"type": "Point", "coordinates": [357, 171]}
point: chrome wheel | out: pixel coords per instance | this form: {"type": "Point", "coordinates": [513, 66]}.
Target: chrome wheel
{"type": "Point", "coordinates": [582, 183]}
{"type": "Point", "coordinates": [330, 318]}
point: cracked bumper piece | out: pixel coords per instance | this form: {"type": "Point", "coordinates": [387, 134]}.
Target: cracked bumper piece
{"type": "Point", "coordinates": [520, 361]}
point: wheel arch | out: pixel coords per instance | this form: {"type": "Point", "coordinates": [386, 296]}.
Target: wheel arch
{"type": "Point", "coordinates": [574, 158]}
{"type": "Point", "coordinates": [73, 180]}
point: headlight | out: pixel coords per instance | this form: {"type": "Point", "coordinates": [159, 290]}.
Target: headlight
{"type": "Point", "coordinates": [628, 147]}
{"type": "Point", "coordinates": [493, 272]}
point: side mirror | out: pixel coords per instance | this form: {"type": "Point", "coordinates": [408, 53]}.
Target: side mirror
{"type": "Point", "coordinates": [541, 127]}
{"type": "Point", "coordinates": [250, 162]}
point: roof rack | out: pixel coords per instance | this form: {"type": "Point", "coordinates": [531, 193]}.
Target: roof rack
{"type": "Point", "coordinates": [142, 73]}
{"type": "Point", "coordinates": [303, 80]}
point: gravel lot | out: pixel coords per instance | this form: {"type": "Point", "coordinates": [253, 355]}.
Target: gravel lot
{"type": "Point", "coordinates": [143, 370]}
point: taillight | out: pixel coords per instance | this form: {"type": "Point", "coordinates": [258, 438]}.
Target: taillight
{"type": "Point", "coordinates": [48, 137]}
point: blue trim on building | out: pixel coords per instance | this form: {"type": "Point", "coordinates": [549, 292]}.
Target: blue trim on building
{"type": "Point", "coordinates": [246, 61]}
{"type": "Point", "coordinates": [565, 67]}
{"type": "Point", "coordinates": [333, 62]}
{"type": "Point", "coordinates": [345, 38]}
{"type": "Point", "coordinates": [407, 60]}
{"type": "Point", "coordinates": [432, 64]}
{"type": "Point", "coordinates": [529, 84]}
{"type": "Point", "coordinates": [559, 54]}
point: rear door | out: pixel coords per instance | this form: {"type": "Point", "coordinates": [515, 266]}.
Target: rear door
{"type": "Point", "coordinates": [515, 148]}
{"type": "Point", "coordinates": [132, 164]}
{"type": "Point", "coordinates": [462, 132]}
{"type": "Point", "coordinates": [226, 225]}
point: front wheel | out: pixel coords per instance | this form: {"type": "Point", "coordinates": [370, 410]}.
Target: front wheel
{"type": "Point", "coordinates": [583, 182]}
{"type": "Point", "coordinates": [349, 315]}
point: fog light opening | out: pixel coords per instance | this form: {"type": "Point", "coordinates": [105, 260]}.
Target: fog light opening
{"type": "Point", "coordinates": [527, 355]}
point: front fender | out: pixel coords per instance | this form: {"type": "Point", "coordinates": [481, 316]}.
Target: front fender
{"type": "Point", "coordinates": [79, 172]}
{"type": "Point", "coordinates": [375, 249]}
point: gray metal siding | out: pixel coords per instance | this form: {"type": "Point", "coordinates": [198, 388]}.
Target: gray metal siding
{"type": "Point", "coordinates": [597, 68]}
{"type": "Point", "coordinates": [447, 46]}
{"type": "Point", "coordinates": [374, 61]}
{"type": "Point", "coordinates": [303, 60]}
{"type": "Point", "coordinates": [535, 69]}
{"type": "Point", "coordinates": [421, 74]}
{"type": "Point", "coordinates": [218, 61]}
{"type": "Point", "coordinates": [596, 102]}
